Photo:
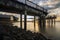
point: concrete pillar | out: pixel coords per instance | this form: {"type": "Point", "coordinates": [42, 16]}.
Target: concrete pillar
{"type": "Point", "coordinates": [54, 22]}
{"type": "Point", "coordinates": [44, 22]}
{"type": "Point", "coordinates": [40, 23]}
{"type": "Point", "coordinates": [21, 21]}
{"type": "Point", "coordinates": [25, 20]}
{"type": "Point", "coordinates": [34, 23]}
{"type": "Point", "coordinates": [51, 22]}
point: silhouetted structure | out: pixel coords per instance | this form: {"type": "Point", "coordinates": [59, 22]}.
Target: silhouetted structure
{"type": "Point", "coordinates": [23, 7]}
{"type": "Point", "coordinates": [51, 20]}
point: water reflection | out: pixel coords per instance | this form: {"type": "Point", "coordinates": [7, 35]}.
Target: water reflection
{"type": "Point", "coordinates": [50, 30]}
{"type": "Point", "coordinates": [53, 30]}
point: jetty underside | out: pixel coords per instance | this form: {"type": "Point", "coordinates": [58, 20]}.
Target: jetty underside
{"type": "Point", "coordinates": [25, 8]}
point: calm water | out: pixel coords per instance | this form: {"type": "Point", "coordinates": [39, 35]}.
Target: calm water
{"type": "Point", "coordinates": [30, 26]}
{"type": "Point", "coordinates": [51, 31]}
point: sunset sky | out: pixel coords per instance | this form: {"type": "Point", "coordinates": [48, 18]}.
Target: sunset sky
{"type": "Point", "coordinates": [53, 6]}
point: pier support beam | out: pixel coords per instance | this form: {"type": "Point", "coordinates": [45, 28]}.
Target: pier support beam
{"type": "Point", "coordinates": [54, 21]}
{"type": "Point", "coordinates": [25, 20]}
{"type": "Point", "coordinates": [51, 22]}
{"type": "Point", "coordinates": [34, 23]}
{"type": "Point", "coordinates": [39, 23]}
{"type": "Point", "coordinates": [21, 21]}
{"type": "Point", "coordinates": [42, 23]}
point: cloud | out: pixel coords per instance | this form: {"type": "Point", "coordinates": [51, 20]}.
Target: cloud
{"type": "Point", "coordinates": [58, 5]}
{"type": "Point", "coordinates": [55, 11]}
{"type": "Point", "coordinates": [52, 5]}
{"type": "Point", "coordinates": [49, 4]}
{"type": "Point", "coordinates": [30, 0]}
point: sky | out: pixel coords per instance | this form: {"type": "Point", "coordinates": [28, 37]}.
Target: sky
{"type": "Point", "coordinates": [53, 6]}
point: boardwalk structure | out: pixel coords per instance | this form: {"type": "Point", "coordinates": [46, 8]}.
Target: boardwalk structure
{"type": "Point", "coordinates": [51, 20]}
{"type": "Point", "coordinates": [24, 7]}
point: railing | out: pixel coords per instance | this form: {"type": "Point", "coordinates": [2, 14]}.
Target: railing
{"type": "Point", "coordinates": [29, 3]}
